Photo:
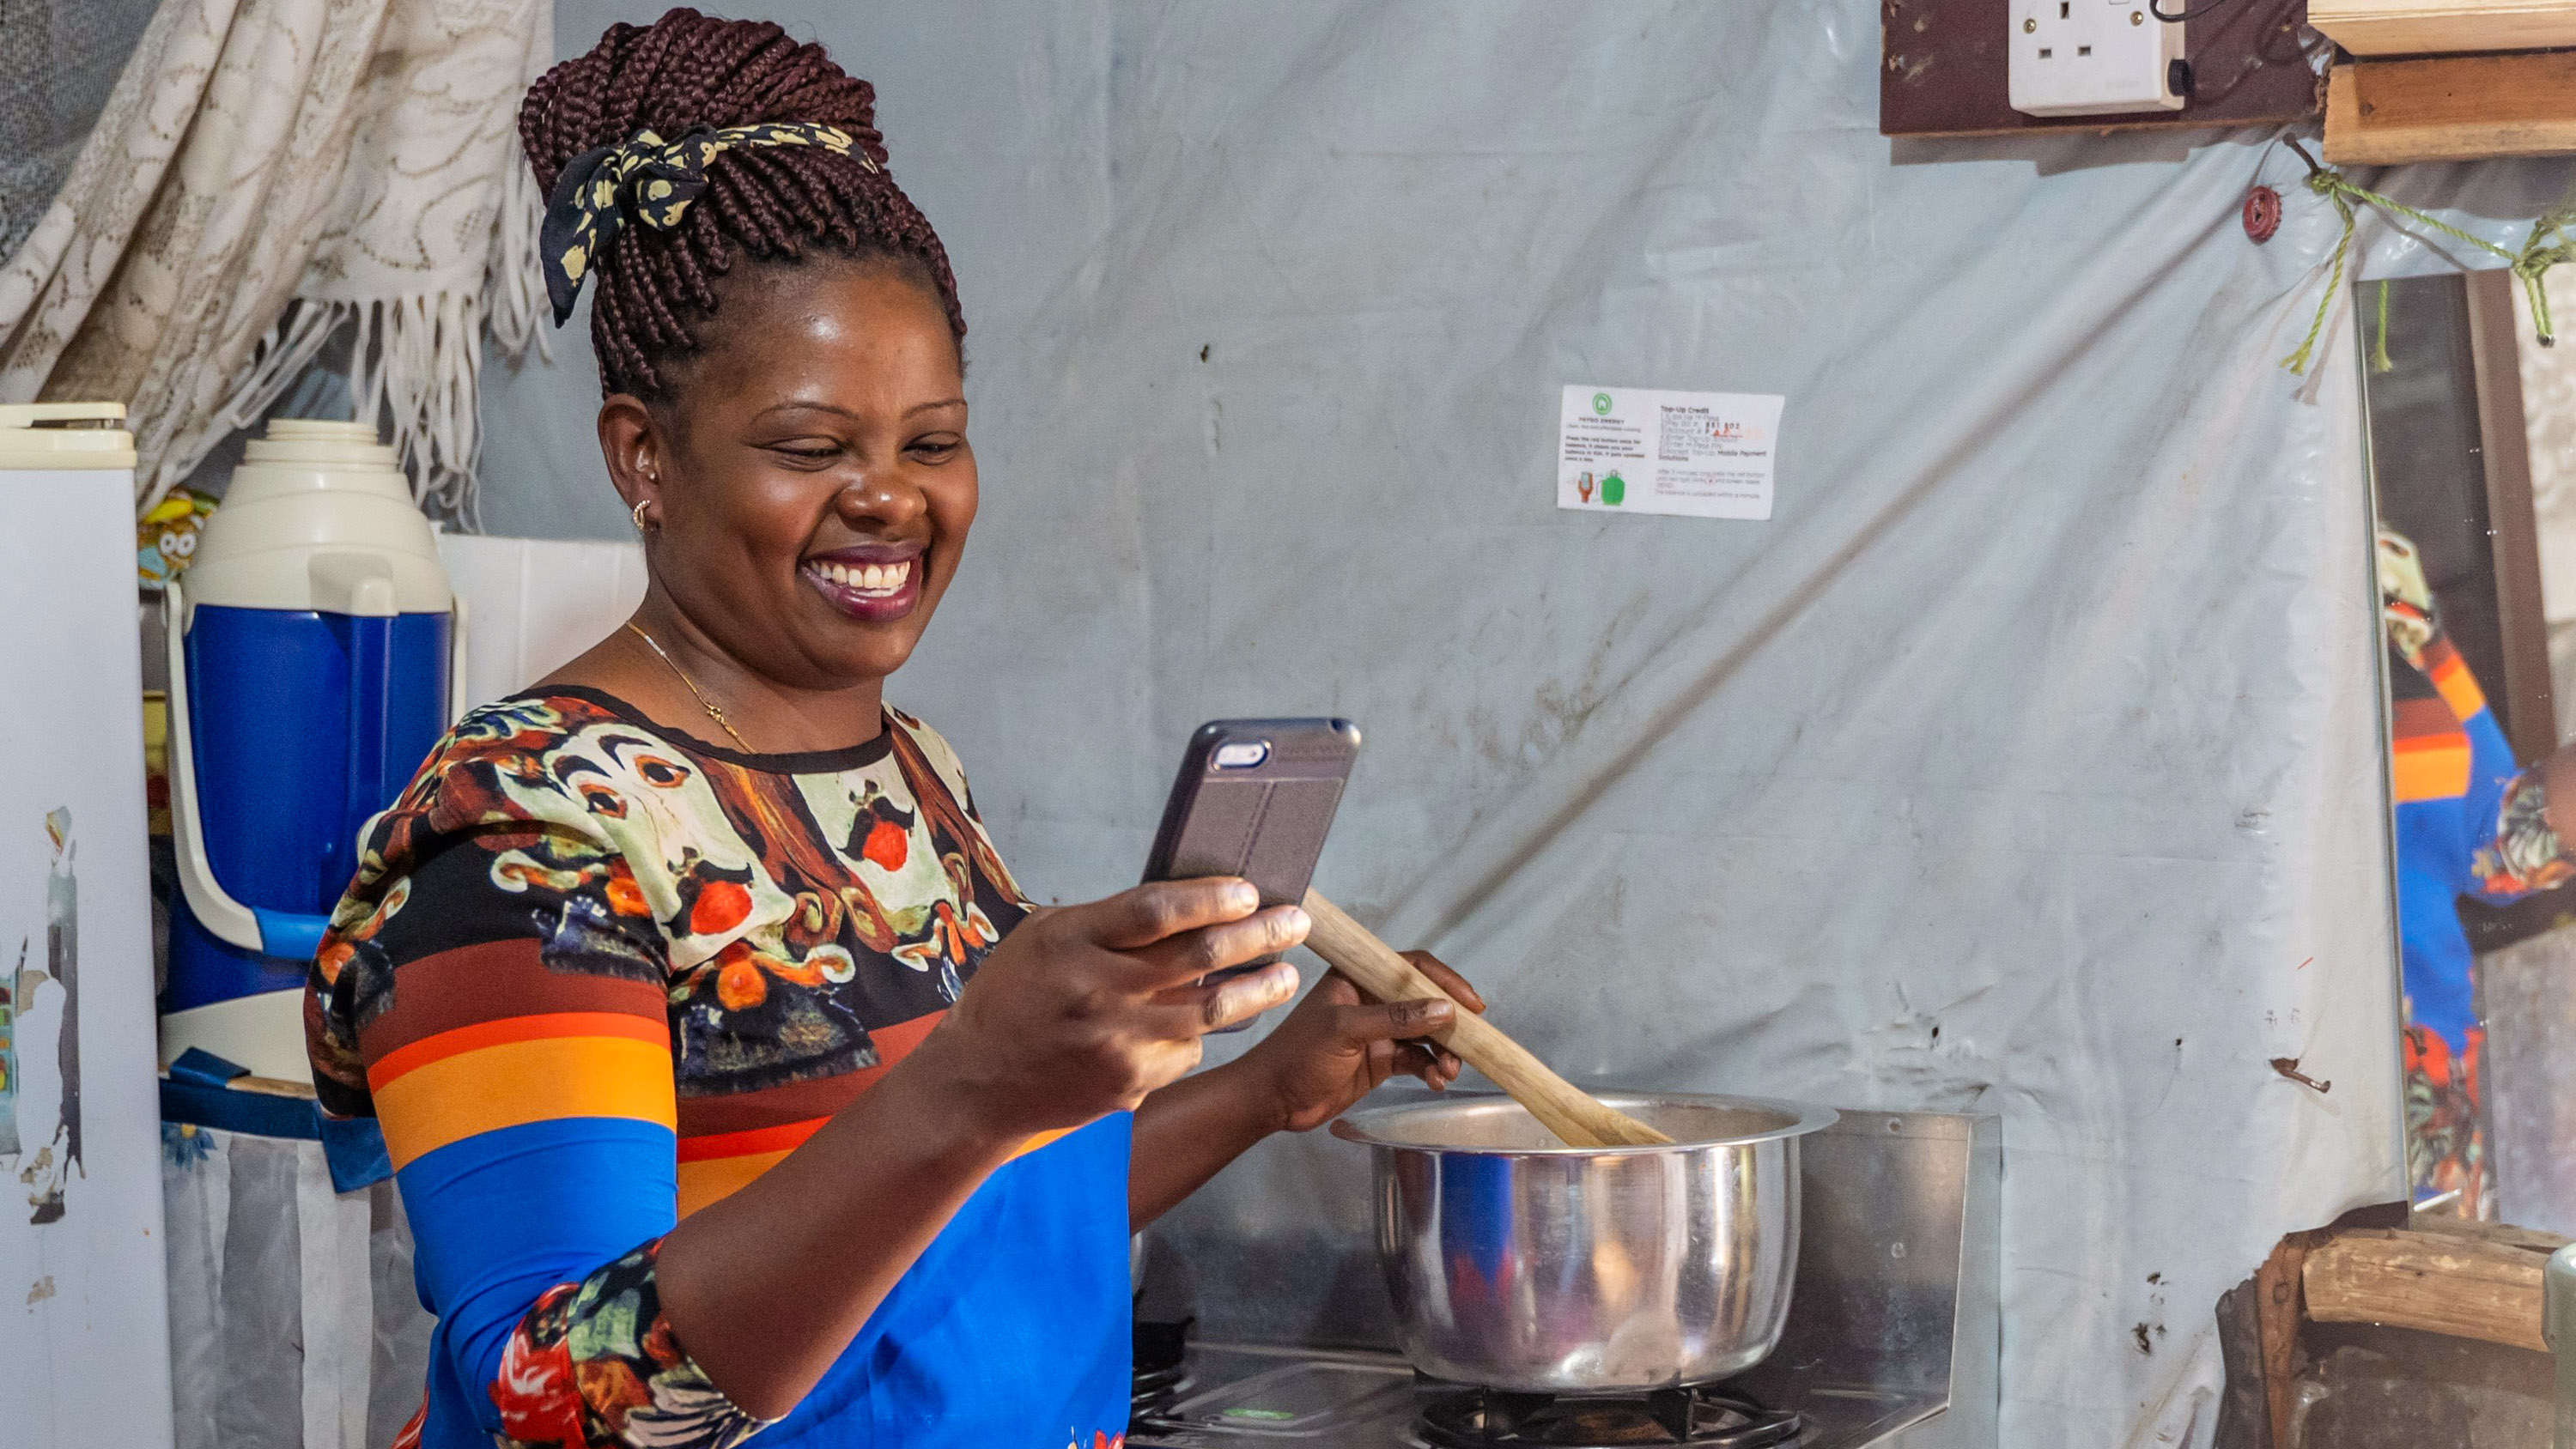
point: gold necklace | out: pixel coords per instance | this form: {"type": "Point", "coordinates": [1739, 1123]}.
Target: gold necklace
{"type": "Point", "coordinates": [709, 705]}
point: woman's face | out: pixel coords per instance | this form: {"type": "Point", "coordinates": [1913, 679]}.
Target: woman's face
{"type": "Point", "coordinates": [809, 470]}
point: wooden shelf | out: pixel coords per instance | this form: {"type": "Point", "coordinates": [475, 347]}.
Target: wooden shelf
{"type": "Point", "coordinates": [2444, 27]}
{"type": "Point", "coordinates": [2451, 108]}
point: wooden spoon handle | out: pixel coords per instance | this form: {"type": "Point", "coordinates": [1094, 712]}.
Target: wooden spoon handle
{"type": "Point", "coordinates": [1374, 967]}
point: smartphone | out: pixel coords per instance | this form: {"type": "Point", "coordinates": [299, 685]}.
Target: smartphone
{"type": "Point", "coordinates": [1255, 798]}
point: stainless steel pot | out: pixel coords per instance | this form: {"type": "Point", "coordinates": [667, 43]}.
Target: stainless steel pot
{"type": "Point", "coordinates": [1516, 1262]}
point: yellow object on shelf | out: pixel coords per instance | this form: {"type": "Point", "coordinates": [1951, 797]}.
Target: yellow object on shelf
{"type": "Point", "coordinates": [165, 539]}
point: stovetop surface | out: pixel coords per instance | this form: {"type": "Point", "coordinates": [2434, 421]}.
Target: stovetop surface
{"type": "Point", "coordinates": [1242, 1397]}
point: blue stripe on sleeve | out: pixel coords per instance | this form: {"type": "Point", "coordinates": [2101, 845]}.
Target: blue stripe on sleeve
{"type": "Point", "coordinates": [501, 1217]}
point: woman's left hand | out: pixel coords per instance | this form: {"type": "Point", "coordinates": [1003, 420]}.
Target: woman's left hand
{"type": "Point", "coordinates": [1334, 1048]}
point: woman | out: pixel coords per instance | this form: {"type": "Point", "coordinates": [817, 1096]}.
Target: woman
{"type": "Point", "coordinates": [732, 1085]}
{"type": "Point", "coordinates": [2471, 823]}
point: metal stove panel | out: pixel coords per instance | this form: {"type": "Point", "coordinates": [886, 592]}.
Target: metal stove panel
{"type": "Point", "coordinates": [1898, 1286]}
{"type": "Point", "coordinates": [1248, 1396]}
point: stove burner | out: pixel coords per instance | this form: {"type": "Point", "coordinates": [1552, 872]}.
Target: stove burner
{"type": "Point", "coordinates": [1693, 1414]}
{"type": "Point", "coordinates": [1158, 1384]}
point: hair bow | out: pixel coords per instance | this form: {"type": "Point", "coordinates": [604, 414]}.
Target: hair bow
{"type": "Point", "coordinates": [653, 179]}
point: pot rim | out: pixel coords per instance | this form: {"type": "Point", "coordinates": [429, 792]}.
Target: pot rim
{"type": "Point", "coordinates": [1808, 1117]}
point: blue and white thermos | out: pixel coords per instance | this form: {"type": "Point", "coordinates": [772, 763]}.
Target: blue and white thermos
{"type": "Point", "coordinates": [313, 664]}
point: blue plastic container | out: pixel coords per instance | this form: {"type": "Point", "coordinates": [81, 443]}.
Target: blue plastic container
{"type": "Point", "coordinates": [313, 666]}
{"type": "Point", "coordinates": [304, 724]}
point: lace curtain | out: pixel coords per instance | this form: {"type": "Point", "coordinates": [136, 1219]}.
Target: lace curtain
{"type": "Point", "coordinates": [268, 174]}
{"type": "Point", "coordinates": [58, 61]}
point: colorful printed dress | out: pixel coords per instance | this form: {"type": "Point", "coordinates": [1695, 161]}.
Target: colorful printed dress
{"type": "Point", "coordinates": [594, 975]}
{"type": "Point", "coordinates": [2470, 822]}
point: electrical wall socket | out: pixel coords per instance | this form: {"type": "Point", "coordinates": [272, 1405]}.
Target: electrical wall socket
{"type": "Point", "coordinates": [2093, 58]}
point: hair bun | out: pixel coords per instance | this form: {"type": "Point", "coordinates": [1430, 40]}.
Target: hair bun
{"type": "Point", "coordinates": [688, 70]}
{"type": "Point", "coordinates": [683, 71]}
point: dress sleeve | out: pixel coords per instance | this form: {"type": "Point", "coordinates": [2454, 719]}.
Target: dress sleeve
{"type": "Point", "coordinates": [2511, 848]}
{"type": "Point", "coordinates": [2522, 853]}
{"type": "Point", "coordinates": [492, 990]}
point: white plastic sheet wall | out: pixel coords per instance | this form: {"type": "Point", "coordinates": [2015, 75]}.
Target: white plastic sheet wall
{"type": "Point", "coordinates": [293, 1320]}
{"type": "Point", "coordinates": [2026, 762]}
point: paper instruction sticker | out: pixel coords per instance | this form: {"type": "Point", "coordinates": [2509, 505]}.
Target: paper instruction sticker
{"type": "Point", "coordinates": [1646, 450]}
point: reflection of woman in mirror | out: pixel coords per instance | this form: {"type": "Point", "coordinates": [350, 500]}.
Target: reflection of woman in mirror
{"type": "Point", "coordinates": [2469, 822]}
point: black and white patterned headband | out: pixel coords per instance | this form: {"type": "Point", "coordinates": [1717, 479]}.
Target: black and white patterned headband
{"type": "Point", "coordinates": [653, 179]}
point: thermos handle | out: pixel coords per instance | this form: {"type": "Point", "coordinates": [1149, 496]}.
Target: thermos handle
{"type": "Point", "coordinates": [457, 703]}
{"type": "Point", "coordinates": [252, 928]}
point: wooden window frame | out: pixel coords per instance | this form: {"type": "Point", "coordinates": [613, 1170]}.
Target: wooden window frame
{"type": "Point", "coordinates": [2530, 715]}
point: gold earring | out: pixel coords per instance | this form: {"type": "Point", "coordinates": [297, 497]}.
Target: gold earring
{"type": "Point", "coordinates": [637, 513]}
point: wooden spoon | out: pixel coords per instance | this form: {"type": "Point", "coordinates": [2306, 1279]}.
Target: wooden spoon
{"type": "Point", "coordinates": [1374, 967]}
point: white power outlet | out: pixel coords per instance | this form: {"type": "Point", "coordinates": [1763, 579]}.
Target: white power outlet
{"type": "Point", "coordinates": [2092, 58]}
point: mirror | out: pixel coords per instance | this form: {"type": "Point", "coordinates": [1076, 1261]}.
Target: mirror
{"type": "Point", "coordinates": [2472, 457]}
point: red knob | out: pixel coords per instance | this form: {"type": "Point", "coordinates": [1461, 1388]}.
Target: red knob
{"type": "Point", "coordinates": [2262, 213]}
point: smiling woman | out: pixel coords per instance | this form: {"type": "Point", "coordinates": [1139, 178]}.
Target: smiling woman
{"type": "Point", "coordinates": [806, 509]}
{"type": "Point", "coordinates": [736, 1087]}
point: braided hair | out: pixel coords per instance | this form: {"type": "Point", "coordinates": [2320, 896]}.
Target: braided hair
{"type": "Point", "coordinates": [688, 70]}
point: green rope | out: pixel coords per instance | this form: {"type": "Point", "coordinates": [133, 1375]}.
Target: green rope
{"type": "Point", "coordinates": [2297, 362]}
{"type": "Point", "coordinates": [2547, 246]}
{"type": "Point", "coordinates": [2379, 349]}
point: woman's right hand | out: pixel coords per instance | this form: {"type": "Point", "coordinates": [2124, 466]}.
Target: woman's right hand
{"type": "Point", "coordinates": [1078, 1013]}
{"type": "Point", "coordinates": [1082, 1010]}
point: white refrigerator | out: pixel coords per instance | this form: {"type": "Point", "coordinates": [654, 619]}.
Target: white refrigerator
{"type": "Point", "coordinates": [84, 1336]}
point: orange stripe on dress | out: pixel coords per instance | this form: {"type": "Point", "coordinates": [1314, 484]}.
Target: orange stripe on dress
{"type": "Point", "coordinates": [715, 1180]}
{"type": "Point", "coordinates": [1041, 1140]}
{"type": "Point", "coordinates": [707, 1177]}
{"type": "Point", "coordinates": [2429, 767]}
{"type": "Point", "coordinates": [514, 1083]}
{"type": "Point", "coordinates": [2459, 688]}
{"type": "Point", "coordinates": [785, 1137]}
{"type": "Point", "coordinates": [393, 1064]}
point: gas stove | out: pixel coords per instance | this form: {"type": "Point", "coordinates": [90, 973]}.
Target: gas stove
{"type": "Point", "coordinates": [1890, 1344]}
{"type": "Point", "coordinates": [1240, 1396]}
{"type": "Point", "coordinates": [1705, 1415]}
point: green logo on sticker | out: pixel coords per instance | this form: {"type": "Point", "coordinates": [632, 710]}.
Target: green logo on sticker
{"type": "Point", "coordinates": [1601, 404]}
{"type": "Point", "coordinates": [1613, 488]}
